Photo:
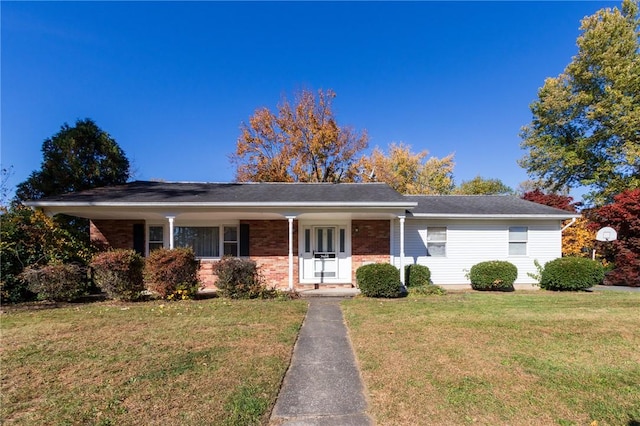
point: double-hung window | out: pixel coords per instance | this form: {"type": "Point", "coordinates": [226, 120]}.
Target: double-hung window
{"type": "Point", "coordinates": [437, 241]}
{"type": "Point", "coordinates": [230, 242]}
{"type": "Point", "coordinates": [156, 238]}
{"type": "Point", "coordinates": [518, 237]}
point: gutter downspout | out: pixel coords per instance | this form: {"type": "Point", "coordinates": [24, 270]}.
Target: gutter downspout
{"type": "Point", "coordinates": [573, 220]}
{"type": "Point", "coordinates": [402, 277]}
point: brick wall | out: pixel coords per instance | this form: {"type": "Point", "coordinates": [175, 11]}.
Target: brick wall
{"type": "Point", "coordinates": [269, 248]}
{"type": "Point", "coordinates": [116, 234]}
{"type": "Point", "coordinates": [205, 274]}
{"type": "Point", "coordinates": [371, 243]}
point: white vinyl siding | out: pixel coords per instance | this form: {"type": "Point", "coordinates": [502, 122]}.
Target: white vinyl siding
{"type": "Point", "coordinates": [470, 242]}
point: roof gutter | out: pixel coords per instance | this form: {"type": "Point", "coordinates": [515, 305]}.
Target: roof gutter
{"type": "Point", "coordinates": [489, 216]}
{"type": "Point", "coordinates": [221, 205]}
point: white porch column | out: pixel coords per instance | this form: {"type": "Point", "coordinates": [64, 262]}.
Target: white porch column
{"type": "Point", "coordinates": [290, 219]}
{"type": "Point", "coordinates": [402, 249]}
{"type": "Point", "coordinates": [170, 219]}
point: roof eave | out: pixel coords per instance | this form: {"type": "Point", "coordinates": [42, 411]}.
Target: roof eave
{"type": "Point", "coordinates": [492, 216]}
{"type": "Point", "coordinates": [252, 204]}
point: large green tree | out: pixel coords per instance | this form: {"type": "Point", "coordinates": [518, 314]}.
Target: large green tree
{"type": "Point", "coordinates": [301, 142]}
{"type": "Point", "coordinates": [74, 159]}
{"type": "Point", "coordinates": [586, 122]}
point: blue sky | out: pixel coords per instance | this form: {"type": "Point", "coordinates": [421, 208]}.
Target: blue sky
{"type": "Point", "coordinates": [171, 82]}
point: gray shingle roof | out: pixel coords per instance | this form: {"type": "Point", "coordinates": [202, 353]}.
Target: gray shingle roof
{"type": "Point", "coordinates": [145, 192]}
{"type": "Point", "coordinates": [481, 205]}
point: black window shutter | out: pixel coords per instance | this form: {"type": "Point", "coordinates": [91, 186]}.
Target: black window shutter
{"type": "Point", "coordinates": [138, 238]}
{"type": "Point", "coordinates": [244, 239]}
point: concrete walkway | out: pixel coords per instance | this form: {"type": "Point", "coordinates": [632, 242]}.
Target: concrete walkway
{"type": "Point", "coordinates": [322, 386]}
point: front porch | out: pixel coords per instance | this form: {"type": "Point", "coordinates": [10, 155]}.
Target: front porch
{"type": "Point", "coordinates": [308, 254]}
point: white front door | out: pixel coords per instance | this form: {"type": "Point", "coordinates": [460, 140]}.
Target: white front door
{"type": "Point", "coordinates": [325, 263]}
{"type": "Point", "coordinates": [325, 254]}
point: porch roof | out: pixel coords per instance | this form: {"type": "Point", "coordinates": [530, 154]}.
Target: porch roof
{"type": "Point", "coordinates": [148, 193]}
{"type": "Point", "coordinates": [478, 206]}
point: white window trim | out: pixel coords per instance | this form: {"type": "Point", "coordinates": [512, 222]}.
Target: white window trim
{"type": "Point", "coordinates": [193, 224]}
{"type": "Point", "coordinates": [165, 235]}
{"type": "Point", "coordinates": [446, 237]}
{"type": "Point", "coordinates": [525, 241]}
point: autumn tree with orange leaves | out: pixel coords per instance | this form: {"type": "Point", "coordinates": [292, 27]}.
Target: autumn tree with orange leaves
{"type": "Point", "coordinates": [408, 172]}
{"type": "Point", "coordinates": [301, 142]}
{"type": "Point", "coordinates": [578, 239]}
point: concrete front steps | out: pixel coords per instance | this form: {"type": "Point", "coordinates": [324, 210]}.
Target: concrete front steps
{"type": "Point", "coordinates": [327, 290]}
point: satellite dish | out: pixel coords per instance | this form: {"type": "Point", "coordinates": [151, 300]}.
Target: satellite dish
{"type": "Point", "coordinates": [606, 234]}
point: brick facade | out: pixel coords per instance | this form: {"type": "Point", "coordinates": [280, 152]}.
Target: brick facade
{"type": "Point", "coordinates": [268, 247]}
{"type": "Point", "coordinates": [116, 234]}
{"type": "Point", "coordinates": [205, 275]}
{"type": "Point", "coordinates": [370, 243]}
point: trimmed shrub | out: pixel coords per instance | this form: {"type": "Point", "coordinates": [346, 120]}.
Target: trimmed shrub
{"type": "Point", "coordinates": [417, 275]}
{"type": "Point", "coordinates": [58, 282]}
{"type": "Point", "coordinates": [493, 275]}
{"type": "Point", "coordinates": [571, 273]}
{"type": "Point", "coordinates": [119, 273]}
{"type": "Point", "coordinates": [240, 278]}
{"type": "Point", "coordinates": [379, 280]}
{"type": "Point", "coordinates": [172, 274]}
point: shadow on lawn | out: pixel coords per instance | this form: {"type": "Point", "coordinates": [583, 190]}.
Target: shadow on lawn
{"type": "Point", "coordinates": [83, 300]}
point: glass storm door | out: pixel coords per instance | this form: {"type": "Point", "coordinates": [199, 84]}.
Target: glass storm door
{"type": "Point", "coordinates": [325, 264]}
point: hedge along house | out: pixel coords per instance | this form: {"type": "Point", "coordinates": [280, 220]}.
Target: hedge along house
{"type": "Point", "coordinates": [305, 235]}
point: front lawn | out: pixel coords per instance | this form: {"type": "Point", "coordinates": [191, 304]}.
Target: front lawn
{"type": "Point", "coordinates": [500, 359]}
{"type": "Point", "coordinates": [190, 362]}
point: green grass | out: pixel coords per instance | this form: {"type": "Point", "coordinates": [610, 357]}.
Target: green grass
{"type": "Point", "coordinates": [190, 362]}
{"type": "Point", "coordinates": [464, 358]}
{"type": "Point", "coordinates": [497, 359]}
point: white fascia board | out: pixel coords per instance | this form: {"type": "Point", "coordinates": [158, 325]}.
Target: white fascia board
{"type": "Point", "coordinates": [221, 205]}
{"type": "Point", "coordinates": [491, 216]}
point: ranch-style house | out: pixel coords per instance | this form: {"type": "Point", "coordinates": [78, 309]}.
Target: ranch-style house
{"type": "Point", "coordinates": [308, 235]}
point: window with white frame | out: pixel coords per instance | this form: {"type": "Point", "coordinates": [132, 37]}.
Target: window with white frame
{"type": "Point", "coordinates": [230, 243]}
{"type": "Point", "coordinates": [437, 241]}
{"type": "Point", "coordinates": [156, 238]}
{"type": "Point", "coordinates": [207, 241]}
{"type": "Point", "coordinates": [518, 237]}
